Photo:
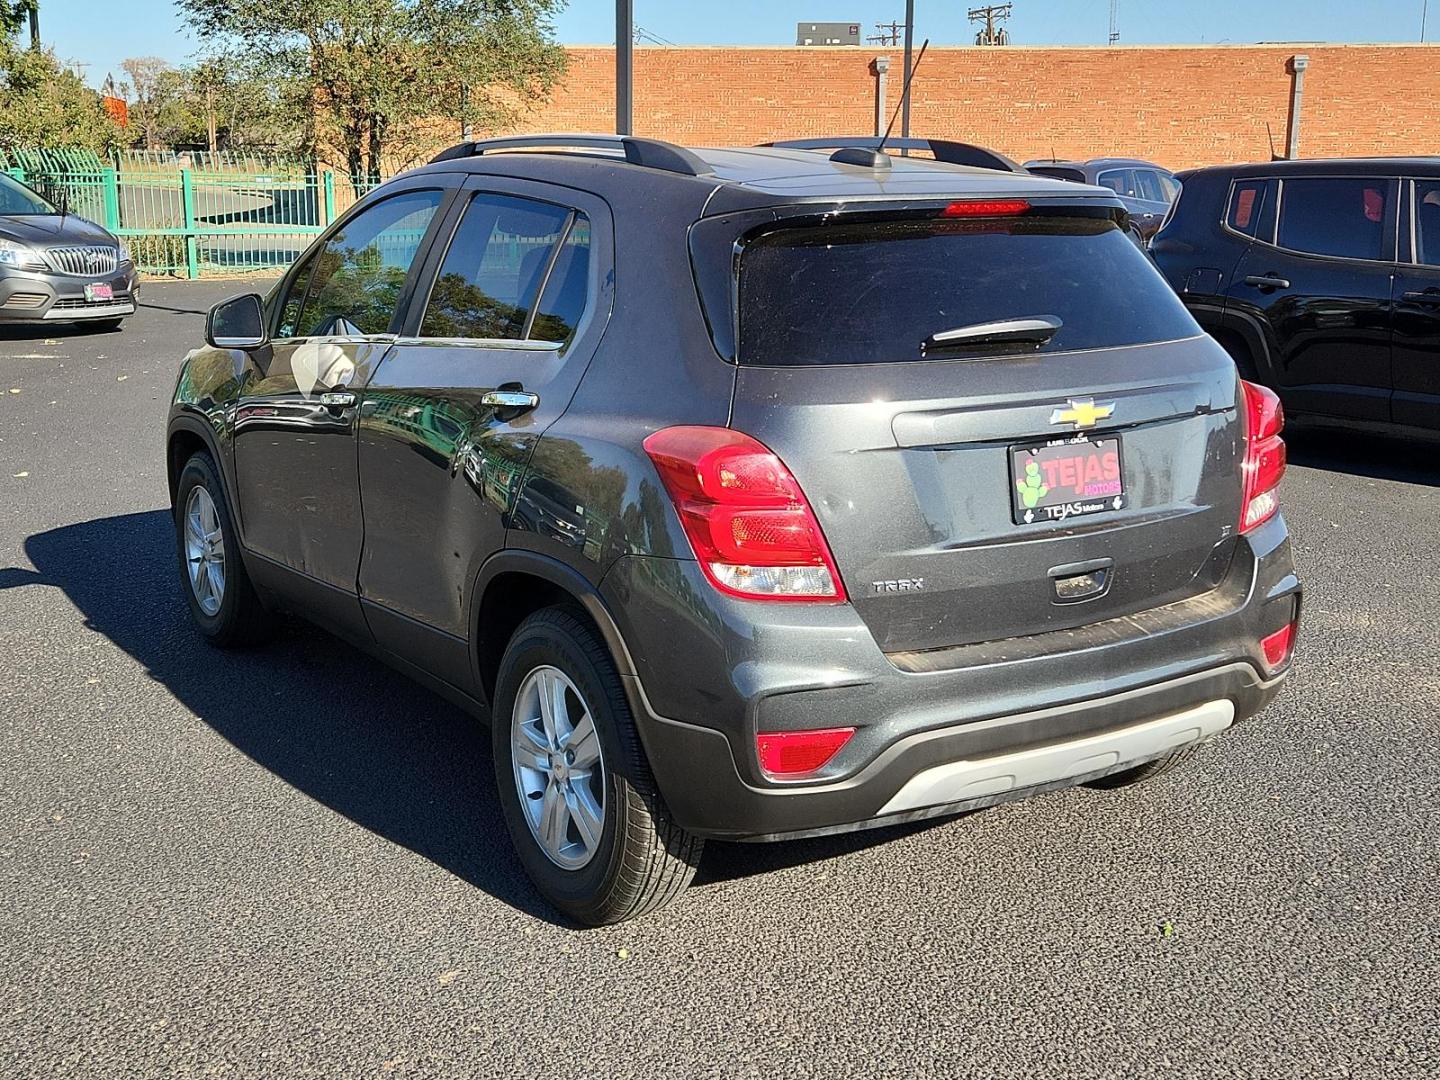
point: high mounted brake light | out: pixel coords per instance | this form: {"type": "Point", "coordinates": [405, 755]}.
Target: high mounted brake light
{"type": "Point", "coordinates": [747, 519]}
{"type": "Point", "coordinates": [985, 208]}
{"type": "Point", "coordinates": [1264, 462]}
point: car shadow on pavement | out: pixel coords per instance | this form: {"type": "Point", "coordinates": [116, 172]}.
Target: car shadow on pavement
{"type": "Point", "coordinates": [1379, 457]}
{"type": "Point", "coordinates": [332, 722]}
{"type": "Point", "coordinates": [328, 720]}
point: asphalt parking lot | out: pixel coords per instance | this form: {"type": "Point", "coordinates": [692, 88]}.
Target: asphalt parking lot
{"type": "Point", "coordinates": [290, 862]}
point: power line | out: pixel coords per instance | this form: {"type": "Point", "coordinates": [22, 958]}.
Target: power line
{"type": "Point", "coordinates": [641, 34]}
{"type": "Point", "coordinates": [887, 33]}
{"type": "Point", "coordinates": [991, 15]}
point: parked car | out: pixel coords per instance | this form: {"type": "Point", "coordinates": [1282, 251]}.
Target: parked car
{"type": "Point", "coordinates": [933, 497]}
{"type": "Point", "coordinates": [58, 267]}
{"type": "Point", "coordinates": [1322, 279]}
{"type": "Point", "coordinates": [1145, 188]}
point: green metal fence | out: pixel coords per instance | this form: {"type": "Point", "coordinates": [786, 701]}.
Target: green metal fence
{"type": "Point", "coordinates": [193, 222]}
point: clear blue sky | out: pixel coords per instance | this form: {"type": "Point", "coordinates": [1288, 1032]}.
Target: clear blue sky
{"type": "Point", "coordinates": [101, 33]}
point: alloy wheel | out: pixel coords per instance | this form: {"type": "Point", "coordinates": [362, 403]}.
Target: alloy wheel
{"type": "Point", "coordinates": [204, 551]}
{"type": "Point", "coordinates": [559, 767]}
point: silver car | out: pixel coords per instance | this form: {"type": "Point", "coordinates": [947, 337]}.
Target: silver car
{"type": "Point", "coordinates": [59, 267]}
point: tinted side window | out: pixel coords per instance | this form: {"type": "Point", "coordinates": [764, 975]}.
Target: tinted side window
{"type": "Point", "coordinates": [1343, 216]}
{"type": "Point", "coordinates": [1147, 183]}
{"type": "Point", "coordinates": [1169, 185]}
{"type": "Point", "coordinates": [290, 310]}
{"type": "Point", "coordinates": [1120, 181]}
{"type": "Point", "coordinates": [568, 288]}
{"type": "Point", "coordinates": [1427, 222]}
{"type": "Point", "coordinates": [1243, 214]}
{"type": "Point", "coordinates": [358, 275]}
{"type": "Point", "coordinates": [494, 269]}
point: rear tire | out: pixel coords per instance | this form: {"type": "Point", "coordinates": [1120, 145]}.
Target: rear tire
{"type": "Point", "coordinates": [1148, 771]}
{"type": "Point", "coordinates": [583, 810]}
{"type": "Point", "coordinates": [223, 603]}
{"type": "Point", "coordinates": [1240, 353]}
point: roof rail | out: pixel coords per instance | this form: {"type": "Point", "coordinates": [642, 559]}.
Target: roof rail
{"type": "Point", "coordinates": [952, 153]}
{"type": "Point", "coordinates": [648, 153]}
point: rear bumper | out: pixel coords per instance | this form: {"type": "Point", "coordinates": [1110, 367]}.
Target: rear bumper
{"type": "Point", "coordinates": [1006, 720]}
{"type": "Point", "coordinates": [27, 297]}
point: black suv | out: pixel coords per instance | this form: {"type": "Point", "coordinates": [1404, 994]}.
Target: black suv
{"type": "Point", "coordinates": [1145, 188]}
{"type": "Point", "coordinates": [754, 493]}
{"type": "Point", "coordinates": [1322, 279]}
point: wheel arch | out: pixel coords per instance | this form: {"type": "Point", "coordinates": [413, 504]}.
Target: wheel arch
{"type": "Point", "coordinates": [513, 584]}
{"type": "Point", "coordinates": [186, 436]}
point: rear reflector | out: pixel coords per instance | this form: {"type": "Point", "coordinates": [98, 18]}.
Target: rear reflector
{"type": "Point", "coordinates": [747, 519]}
{"type": "Point", "coordinates": [1264, 462]}
{"type": "Point", "coordinates": [792, 754]}
{"type": "Point", "coordinates": [985, 208]}
{"type": "Point", "coordinates": [1277, 647]}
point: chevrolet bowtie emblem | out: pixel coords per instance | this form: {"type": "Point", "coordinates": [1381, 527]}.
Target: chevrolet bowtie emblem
{"type": "Point", "coordinates": [1082, 412]}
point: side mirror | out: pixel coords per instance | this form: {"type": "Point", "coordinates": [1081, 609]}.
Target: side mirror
{"type": "Point", "coordinates": [237, 323]}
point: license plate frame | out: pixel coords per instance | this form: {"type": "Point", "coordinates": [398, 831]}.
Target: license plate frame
{"type": "Point", "coordinates": [1075, 478]}
{"type": "Point", "coordinates": [101, 291]}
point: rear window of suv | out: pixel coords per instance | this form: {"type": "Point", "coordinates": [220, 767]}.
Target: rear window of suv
{"type": "Point", "coordinates": [872, 292]}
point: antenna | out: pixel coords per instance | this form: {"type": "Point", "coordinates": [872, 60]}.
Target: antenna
{"type": "Point", "coordinates": [1271, 136]}
{"type": "Point", "coordinates": [904, 96]}
{"type": "Point", "coordinates": [1114, 22]}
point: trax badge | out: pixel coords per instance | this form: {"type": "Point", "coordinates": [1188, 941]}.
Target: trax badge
{"type": "Point", "coordinates": [1082, 412]}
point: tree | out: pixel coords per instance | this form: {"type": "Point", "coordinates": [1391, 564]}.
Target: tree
{"type": "Point", "coordinates": [44, 103]}
{"type": "Point", "coordinates": [147, 75]}
{"type": "Point", "coordinates": [370, 70]}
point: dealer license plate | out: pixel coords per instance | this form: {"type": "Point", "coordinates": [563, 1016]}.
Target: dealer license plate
{"type": "Point", "coordinates": [99, 291]}
{"type": "Point", "coordinates": [1065, 478]}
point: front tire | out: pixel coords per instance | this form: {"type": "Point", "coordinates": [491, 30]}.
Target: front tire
{"type": "Point", "coordinates": [579, 799]}
{"type": "Point", "coordinates": [223, 604]}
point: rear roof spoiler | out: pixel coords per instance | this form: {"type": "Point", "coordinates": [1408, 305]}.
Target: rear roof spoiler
{"type": "Point", "coordinates": [952, 153]}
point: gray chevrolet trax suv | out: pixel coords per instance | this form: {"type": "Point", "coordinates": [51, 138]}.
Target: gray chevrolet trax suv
{"type": "Point", "coordinates": [748, 493]}
{"type": "Point", "coordinates": [58, 267]}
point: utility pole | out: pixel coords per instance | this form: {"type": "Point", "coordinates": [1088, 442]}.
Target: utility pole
{"type": "Point", "coordinates": [991, 15]}
{"type": "Point", "coordinates": [35, 26]}
{"type": "Point", "coordinates": [886, 33]}
{"type": "Point", "coordinates": [1114, 22]}
{"type": "Point", "coordinates": [624, 65]}
{"type": "Point", "coordinates": [909, 45]}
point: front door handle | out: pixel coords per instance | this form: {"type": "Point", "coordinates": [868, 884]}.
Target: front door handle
{"type": "Point", "coordinates": [510, 399]}
{"type": "Point", "coordinates": [337, 399]}
{"type": "Point", "coordinates": [1267, 281]}
{"type": "Point", "coordinates": [1429, 296]}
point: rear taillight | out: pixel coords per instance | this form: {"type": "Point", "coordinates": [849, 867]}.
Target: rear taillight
{"type": "Point", "coordinates": [1264, 455]}
{"type": "Point", "coordinates": [746, 517]}
{"type": "Point", "coordinates": [1277, 647]}
{"type": "Point", "coordinates": [791, 755]}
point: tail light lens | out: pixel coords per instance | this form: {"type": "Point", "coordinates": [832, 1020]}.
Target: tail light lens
{"type": "Point", "coordinates": [985, 208]}
{"type": "Point", "coordinates": [1264, 456]}
{"type": "Point", "coordinates": [790, 755]}
{"type": "Point", "coordinates": [746, 517]}
{"type": "Point", "coordinates": [1277, 647]}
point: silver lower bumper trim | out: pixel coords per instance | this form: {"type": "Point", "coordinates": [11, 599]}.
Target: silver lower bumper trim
{"type": "Point", "coordinates": [958, 781]}
{"type": "Point", "coordinates": [99, 311]}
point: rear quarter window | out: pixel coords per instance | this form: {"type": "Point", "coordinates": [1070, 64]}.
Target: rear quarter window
{"type": "Point", "coordinates": [871, 293]}
{"type": "Point", "coordinates": [1243, 213]}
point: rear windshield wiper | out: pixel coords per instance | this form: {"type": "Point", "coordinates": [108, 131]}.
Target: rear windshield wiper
{"type": "Point", "coordinates": [1033, 330]}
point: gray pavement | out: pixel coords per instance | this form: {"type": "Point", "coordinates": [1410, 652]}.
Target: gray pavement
{"type": "Point", "coordinates": [290, 862]}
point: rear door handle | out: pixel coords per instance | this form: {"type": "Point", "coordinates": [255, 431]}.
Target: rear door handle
{"type": "Point", "coordinates": [1429, 296]}
{"type": "Point", "coordinates": [510, 399]}
{"type": "Point", "coordinates": [1267, 281]}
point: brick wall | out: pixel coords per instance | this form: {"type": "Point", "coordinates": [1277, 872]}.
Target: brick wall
{"type": "Point", "coordinates": [1178, 105]}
